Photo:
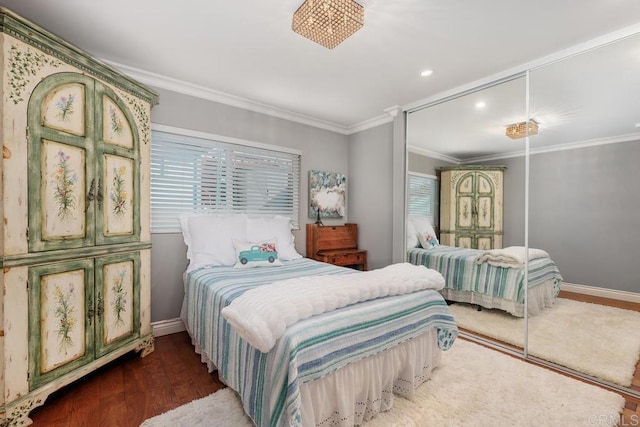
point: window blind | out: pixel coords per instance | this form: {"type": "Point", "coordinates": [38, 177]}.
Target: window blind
{"type": "Point", "coordinates": [196, 174]}
{"type": "Point", "coordinates": [423, 196]}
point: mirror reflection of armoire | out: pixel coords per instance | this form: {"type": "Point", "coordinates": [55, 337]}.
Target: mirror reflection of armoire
{"type": "Point", "coordinates": [471, 199]}
{"type": "Point", "coordinates": [76, 242]}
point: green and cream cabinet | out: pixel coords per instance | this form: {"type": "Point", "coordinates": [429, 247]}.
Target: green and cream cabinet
{"type": "Point", "coordinates": [75, 240]}
{"type": "Point", "coordinates": [471, 206]}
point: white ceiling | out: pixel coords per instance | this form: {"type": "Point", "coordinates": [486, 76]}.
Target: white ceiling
{"type": "Point", "coordinates": [244, 51]}
{"type": "Point", "coordinates": [583, 99]}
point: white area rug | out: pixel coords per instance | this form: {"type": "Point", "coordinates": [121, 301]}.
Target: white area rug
{"type": "Point", "coordinates": [473, 386]}
{"type": "Point", "coordinates": [591, 338]}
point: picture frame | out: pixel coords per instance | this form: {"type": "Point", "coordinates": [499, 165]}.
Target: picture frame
{"type": "Point", "coordinates": [327, 194]}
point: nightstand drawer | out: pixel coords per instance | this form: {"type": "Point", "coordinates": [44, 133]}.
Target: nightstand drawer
{"type": "Point", "coordinates": [347, 257]}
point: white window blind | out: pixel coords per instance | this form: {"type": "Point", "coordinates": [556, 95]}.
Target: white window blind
{"type": "Point", "coordinates": [199, 174]}
{"type": "Point", "coordinates": [423, 196]}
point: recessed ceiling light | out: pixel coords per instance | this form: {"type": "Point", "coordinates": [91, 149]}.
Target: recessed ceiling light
{"type": "Point", "coordinates": [481, 104]}
{"type": "Point", "coordinates": [426, 73]}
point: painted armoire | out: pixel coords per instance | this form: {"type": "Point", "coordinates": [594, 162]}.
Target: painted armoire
{"type": "Point", "coordinates": [471, 206]}
{"type": "Point", "coordinates": [75, 240]}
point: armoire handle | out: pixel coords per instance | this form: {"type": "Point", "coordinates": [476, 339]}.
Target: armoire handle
{"type": "Point", "coordinates": [100, 306]}
{"type": "Point", "coordinates": [91, 194]}
{"type": "Point", "coordinates": [90, 310]}
{"type": "Point", "coordinates": [100, 193]}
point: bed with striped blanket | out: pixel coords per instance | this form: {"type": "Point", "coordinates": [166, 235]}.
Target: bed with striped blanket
{"type": "Point", "coordinates": [389, 345]}
{"type": "Point", "coordinates": [487, 285]}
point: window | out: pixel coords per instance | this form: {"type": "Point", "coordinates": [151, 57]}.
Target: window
{"type": "Point", "coordinates": [423, 196]}
{"type": "Point", "coordinates": [197, 172]}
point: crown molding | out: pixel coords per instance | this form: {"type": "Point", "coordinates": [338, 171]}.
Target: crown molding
{"type": "Point", "coordinates": [433, 154]}
{"type": "Point", "coordinates": [371, 123]}
{"type": "Point", "coordinates": [630, 137]}
{"type": "Point", "coordinates": [190, 89]}
{"type": "Point", "coordinates": [587, 143]}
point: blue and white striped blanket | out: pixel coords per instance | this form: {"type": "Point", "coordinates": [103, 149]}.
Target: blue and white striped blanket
{"type": "Point", "coordinates": [268, 383]}
{"type": "Point", "coordinates": [462, 273]}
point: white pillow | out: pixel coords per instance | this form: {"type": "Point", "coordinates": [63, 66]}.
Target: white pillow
{"type": "Point", "coordinates": [412, 235]}
{"type": "Point", "coordinates": [278, 227]}
{"type": "Point", "coordinates": [210, 237]}
{"type": "Point", "coordinates": [256, 254]}
{"type": "Point", "coordinates": [426, 233]}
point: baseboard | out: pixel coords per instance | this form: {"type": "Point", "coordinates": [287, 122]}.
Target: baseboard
{"type": "Point", "coordinates": [166, 327]}
{"type": "Point", "coordinates": [601, 292]}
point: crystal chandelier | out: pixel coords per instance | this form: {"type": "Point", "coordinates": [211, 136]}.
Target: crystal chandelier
{"type": "Point", "coordinates": [519, 130]}
{"type": "Point", "coordinates": [328, 22]}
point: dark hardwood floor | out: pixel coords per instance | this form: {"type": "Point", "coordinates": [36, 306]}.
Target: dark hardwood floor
{"type": "Point", "coordinates": [132, 389]}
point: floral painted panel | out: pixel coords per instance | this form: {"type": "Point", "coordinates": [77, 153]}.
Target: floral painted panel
{"type": "Point", "coordinates": [116, 128]}
{"type": "Point", "coordinates": [62, 191]}
{"type": "Point", "coordinates": [484, 185]}
{"type": "Point", "coordinates": [118, 300]}
{"type": "Point", "coordinates": [62, 311]}
{"type": "Point", "coordinates": [118, 195]}
{"type": "Point", "coordinates": [465, 212]}
{"type": "Point", "coordinates": [485, 211]}
{"type": "Point", "coordinates": [63, 109]}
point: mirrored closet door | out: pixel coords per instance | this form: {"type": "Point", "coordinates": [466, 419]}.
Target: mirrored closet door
{"type": "Point", "coordinates": [570, 189]}
{"type": "Point", "coordinates": [583, 195]}
{"type": "Point", "coordinates": [460, 143]}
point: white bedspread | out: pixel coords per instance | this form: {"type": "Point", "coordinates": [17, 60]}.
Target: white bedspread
{"type": "Point", "coordinates": [262, 314]}
{"type": "Point", "coordinates": [509, 257]}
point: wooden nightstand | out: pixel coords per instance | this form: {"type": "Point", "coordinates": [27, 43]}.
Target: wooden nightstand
{"type": "Point", "coordinates": [336, 244]}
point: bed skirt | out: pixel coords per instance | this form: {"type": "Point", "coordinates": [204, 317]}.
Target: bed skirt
{"type": "Point", "coordinates": [539, 297]}
{"type": "Point", "coordinates": [362, 389]}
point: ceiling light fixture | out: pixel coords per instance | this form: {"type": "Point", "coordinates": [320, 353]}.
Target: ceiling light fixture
{"type": "Point", "coordinates": [426, 73]}
{"type": "Point", "coordinates": [328, 22]}
{"type": "Point", "coordinates": [519, 130]}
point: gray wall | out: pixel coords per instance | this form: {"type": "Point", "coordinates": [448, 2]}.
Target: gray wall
{"type": "Point", "coordinates": [370, 192]}
{"type": "Point", "coordinates": [583, 210]}
{"type": "Point", "coordinates": [426, 165]}
{"type": "Point", "coordinates": [321, 150]}
{"type": "Point", "coordinates": [584, 206]}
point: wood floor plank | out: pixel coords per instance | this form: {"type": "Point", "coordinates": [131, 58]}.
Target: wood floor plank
{"type": "Point", "coordinates": [86, 404]}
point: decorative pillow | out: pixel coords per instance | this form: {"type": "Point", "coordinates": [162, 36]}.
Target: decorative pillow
{"type": "Point", "coordinates": [412, 235]}
{"type": "Point", "coordinates": [426, 233]}
{"type": "Point", "coordinates": [278, 227]}
{"type": "Point", "coordinates": [256, 254]}
{"type": "Point", "coordinates": [209, 238]}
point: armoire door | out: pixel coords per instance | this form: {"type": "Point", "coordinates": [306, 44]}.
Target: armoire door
{"type": "Point", "coordinates": [61, 325]}
{"type": "Point", "coordinates": [117, 301]}
{"type": "Point", "coordinates": [84, 181]}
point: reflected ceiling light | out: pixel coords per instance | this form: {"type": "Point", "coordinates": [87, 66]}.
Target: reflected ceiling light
{"type": "Point", "coordinates": [328, 22]}
{"type": "Point", "coordinates": [522, 129]}
{"type": "Point", "coordinates": [426, 73]}
{"type": "Point", "coordinates": [481, 104]}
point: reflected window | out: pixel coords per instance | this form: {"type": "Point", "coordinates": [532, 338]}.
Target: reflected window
{"type": "Point", "coordinates": [423, 196]}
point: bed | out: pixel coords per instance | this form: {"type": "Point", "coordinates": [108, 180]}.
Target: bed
{"type": "Point", "coordinates": [339, 367]}
{"type": "Point", "coordinates": [488, 285]}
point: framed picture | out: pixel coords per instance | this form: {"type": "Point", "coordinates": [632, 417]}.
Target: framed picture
{"type": "Point", "coordinates": [327, 193]}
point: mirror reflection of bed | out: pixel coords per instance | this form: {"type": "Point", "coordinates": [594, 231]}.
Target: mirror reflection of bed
{"type": "Point", "coordinates": [569, 189]}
